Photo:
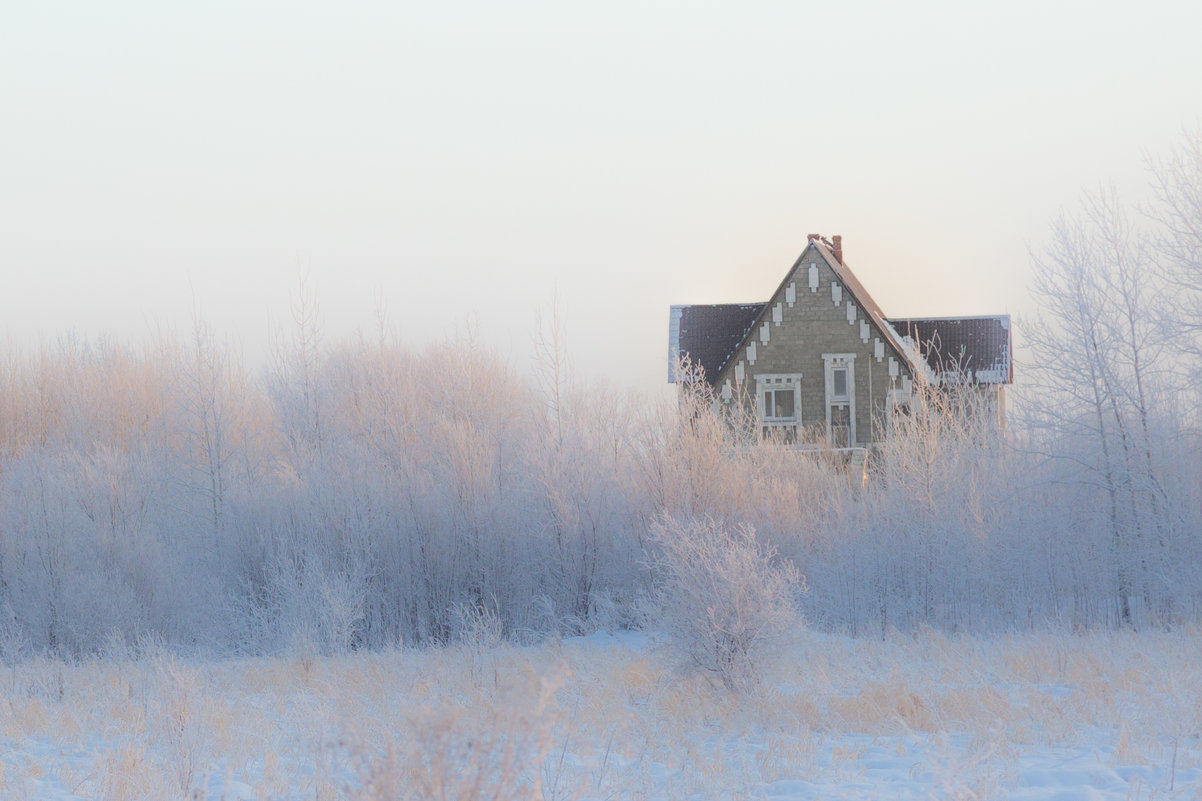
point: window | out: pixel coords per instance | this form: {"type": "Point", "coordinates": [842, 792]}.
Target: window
{"type": "Point", "coordinates": [840, 399]}
{"type": "Point", "coordinates": [840, 427]}
{"type": "Point", "coordinates": [839, 384]}
{"type": "Point", "coordinates": [779, 405]}
{"type": "Point", "coordinates": [778, 402]}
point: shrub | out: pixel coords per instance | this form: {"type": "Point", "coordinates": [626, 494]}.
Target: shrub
{"type": "Point", "coordinates": [725, 600]}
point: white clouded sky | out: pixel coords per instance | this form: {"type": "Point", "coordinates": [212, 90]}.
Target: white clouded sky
{"type": "Point", "coordinates": [475, 160]}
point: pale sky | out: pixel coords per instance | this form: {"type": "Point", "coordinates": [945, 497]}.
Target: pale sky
{"type": "Point", "coordinates": [456, 161]}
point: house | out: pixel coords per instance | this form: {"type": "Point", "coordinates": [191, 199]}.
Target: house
{"type": "Point", "coordinates": [820, 363]}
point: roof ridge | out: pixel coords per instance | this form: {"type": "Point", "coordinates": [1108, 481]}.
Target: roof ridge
{"type": "Point", "coordinates": [854, 288]}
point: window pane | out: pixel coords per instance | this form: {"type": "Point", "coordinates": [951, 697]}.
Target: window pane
{"type": "Point", "coordinates": [784, 403]}
{"type": "Point", "coordinates": [769, 406]}
{"type": "Point", "coordinates": [840, 380]}
{"type": "Point", "coordinates": [840, 427]}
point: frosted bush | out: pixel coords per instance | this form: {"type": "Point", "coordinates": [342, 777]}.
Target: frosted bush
{"type": "Point", "coordinates": [725, 600]}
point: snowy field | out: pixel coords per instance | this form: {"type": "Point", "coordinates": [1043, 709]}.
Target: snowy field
{"type": "Point", "coordinates": [1099, 716]}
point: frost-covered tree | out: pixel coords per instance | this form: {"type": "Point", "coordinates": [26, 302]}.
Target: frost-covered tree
{"type": "Point", "coordinates": [1101, 400]}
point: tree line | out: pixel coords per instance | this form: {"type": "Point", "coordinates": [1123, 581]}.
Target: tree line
{"type": "Point", "coordinates": [364, 493]}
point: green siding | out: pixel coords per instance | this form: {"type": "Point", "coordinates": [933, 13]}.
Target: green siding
{"type": "Point", "coordinates": [813, 326]}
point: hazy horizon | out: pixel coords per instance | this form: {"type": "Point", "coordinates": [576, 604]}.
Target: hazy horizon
{"type": "Point", "coordinates": [475, 162]}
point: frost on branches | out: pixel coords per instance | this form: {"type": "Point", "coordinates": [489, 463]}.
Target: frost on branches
{"type": "Point", "coordinates": [726, 601]}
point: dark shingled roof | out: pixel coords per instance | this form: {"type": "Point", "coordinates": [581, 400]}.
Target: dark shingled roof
{"type": "Point", "coordinates": [708, 335]}
{"type": "Point", "coordinates": [956, 348]}
{"type": "Point", "coordinates": [978, 345]}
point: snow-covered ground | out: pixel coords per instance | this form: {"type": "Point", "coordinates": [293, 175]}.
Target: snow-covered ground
{"type": "Point", "coordinates": [1099, 716]}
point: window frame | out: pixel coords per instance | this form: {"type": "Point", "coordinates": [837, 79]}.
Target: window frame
{"type": "Point", "coordinates": [831, 363]}
{"type": "Point", "coordinates": [766, 383]}
{"type": "Point", "coordinates": [836, 395]}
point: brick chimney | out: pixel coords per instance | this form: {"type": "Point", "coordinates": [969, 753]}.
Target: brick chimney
{"type": "Point", "coordinates": [837, 247]}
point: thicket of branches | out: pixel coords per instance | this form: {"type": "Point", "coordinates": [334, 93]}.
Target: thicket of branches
{"type": "Point", "coordinates": [361, 494]}
{"type": "Point", "coordinates": [1113, 406]}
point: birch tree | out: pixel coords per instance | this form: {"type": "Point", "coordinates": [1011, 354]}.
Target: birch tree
{"type": "Point", "coordinates": [1177, 210]}
{"type": "Point", "coordinates": [1097, 364]}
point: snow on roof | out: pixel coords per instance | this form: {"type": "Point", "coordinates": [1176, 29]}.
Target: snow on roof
{"type": "Point", "coordinates": [976, 348]}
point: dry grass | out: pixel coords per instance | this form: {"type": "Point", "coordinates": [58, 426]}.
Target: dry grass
{"type": "Point", "coordinates": [592, 719]}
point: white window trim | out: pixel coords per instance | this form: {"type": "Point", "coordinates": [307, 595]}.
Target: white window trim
{"type": "Point", "coordinates": [831, 361]}
{"type": "Point", "coordinates": [767, 382]}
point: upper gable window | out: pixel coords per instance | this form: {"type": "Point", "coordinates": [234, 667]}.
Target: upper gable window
{"type": "Point", "coordinates": [839, 384]}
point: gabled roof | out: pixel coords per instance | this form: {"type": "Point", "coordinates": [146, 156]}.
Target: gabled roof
{"type": "Point", "coordinates": [977, 348]}
{"type": "Point", "coordinates": [946, 347]}
{"type": "Point", "coordinates": [849, 280]}
{"type": "Point", "coordinates": [861, 297]}
{"type": "Point", "coordinates": [708, 335]}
